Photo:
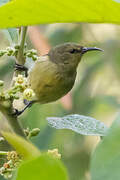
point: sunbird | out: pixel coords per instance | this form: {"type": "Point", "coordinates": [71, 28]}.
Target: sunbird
{"type": "Point", "coordinates": [53, 75]}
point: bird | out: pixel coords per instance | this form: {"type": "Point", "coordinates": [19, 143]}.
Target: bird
{"type": "Point", "coordinates": [53, 75]}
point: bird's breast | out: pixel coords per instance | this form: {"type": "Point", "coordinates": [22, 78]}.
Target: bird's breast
{"type": "Point", "coordinates": [48, 82]}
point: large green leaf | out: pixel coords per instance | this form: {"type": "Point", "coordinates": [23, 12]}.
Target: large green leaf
{"type": "Point", "coordinates": [42, 168]}
{"type": "Point", "coordinates": [81, 124]}
{"type": "Point", "coordinates": [105, 164]}
{"type": "Point", "coordinates": [27, 12]}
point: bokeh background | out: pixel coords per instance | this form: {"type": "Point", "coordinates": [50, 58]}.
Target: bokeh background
{"type": "Point", "coordinates": [96, 91]}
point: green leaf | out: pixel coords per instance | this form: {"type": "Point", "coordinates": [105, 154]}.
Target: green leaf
{"type": "Point", "coordinates": [23, 147]}
{"type": "Point", "coordinates": [105, 163]}
{"type": "Point", "coordinates": [44, 167]}
{"type": "Point", "coordinates": [81, 124]}
{"type": "Point", "coordinates": [12, 35]}
{"type": "Point", "coordinates": [26, 12]}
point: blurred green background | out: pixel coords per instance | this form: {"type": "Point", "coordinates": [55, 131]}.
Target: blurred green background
{"type": "Point", "coordinates": [95, 92]}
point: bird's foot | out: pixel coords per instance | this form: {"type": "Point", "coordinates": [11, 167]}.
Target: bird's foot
{"type": "Point", "coordinates": [21, 68]}
{"type": "Point", "coordinates": [18, 113]}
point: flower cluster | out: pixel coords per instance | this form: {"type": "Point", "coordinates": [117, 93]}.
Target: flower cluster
{"type": "Point", "coordinates": [13, 158]}
{"type": "Point", "coordinates": [13, 51]}
{"type": "Point", "coordinates": [6, 95]}
{"type": "Point", "coordinates": [10, 51]}
{"type": "Point", "coordinates": [32, 53]}
{"type": "Point", "coordinates": [54, 153]}
{"type": "Point", "coordinates": [21, 87]}
{"type": "Point", "coordinates": [13, 161]}
{"type": "Point", "coordinates": [20, 82]}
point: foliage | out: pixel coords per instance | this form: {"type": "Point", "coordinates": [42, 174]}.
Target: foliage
{"type": "Point", "coordinates": [105, 160]}
{"type": "Point", "coordinates": [55, 11]}
{"type": "Point", "coordinates": [80, 124]}
{"type": "Point", "coordinates": [38, 166]}
{"type": "Point", "coordinates": [44, 167]}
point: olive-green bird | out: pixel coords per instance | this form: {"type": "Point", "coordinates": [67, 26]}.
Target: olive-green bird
{"type": "Point", "coordinates": [54, 74]}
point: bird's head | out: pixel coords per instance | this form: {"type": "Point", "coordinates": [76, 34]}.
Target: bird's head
{"type": "Point", "coordinates": [69, 54]}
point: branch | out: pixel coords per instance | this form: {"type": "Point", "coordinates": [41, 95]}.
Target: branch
{"type": "Point", "coordinates": [9, 111]}
{"type": "Point", "coordinates": [20, 56]}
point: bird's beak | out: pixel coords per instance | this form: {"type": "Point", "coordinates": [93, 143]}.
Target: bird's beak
{"type": "Point", "coordinates": [86, 49]}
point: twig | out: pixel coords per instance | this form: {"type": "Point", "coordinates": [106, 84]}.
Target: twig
{"type": "Point", "coordinates": [20, 56]}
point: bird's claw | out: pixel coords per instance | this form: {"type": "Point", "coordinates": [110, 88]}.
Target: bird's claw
{"type": "Point", "coordinates": [21, 68]}
{"type": "Point", "coordinates": [17, 112]}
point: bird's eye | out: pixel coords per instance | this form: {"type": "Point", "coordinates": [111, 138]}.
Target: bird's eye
{"type": "Point", "coordinates": [73, 51]}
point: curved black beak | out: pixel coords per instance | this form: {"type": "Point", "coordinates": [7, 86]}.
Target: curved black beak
{"type": "Point", "coordinates": [86, 49]}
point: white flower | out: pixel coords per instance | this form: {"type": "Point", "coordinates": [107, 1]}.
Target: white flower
{"type": "Point", "coordinates": [20, 79]}
{"type": "Point", "coordinates": [28, 94]}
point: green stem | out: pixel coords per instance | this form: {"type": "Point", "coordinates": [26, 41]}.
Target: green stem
{"type": "Point", "coordinates": [20, 57]}
{"type": "Point", "coordinates": [13, 121]}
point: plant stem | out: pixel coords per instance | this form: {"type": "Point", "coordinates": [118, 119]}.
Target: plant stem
{"type": "Point", "coordinates": [13, 120]}
{"type": "Point", "coordinates": [20, 57]}
{"type": "Point", "coordinates": [7, 110]}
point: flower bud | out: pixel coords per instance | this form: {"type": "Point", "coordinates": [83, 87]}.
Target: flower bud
{"type": "Point", "coordinates": [7, 96]}
{"type": "Point", "coordinates": [17, 46]}
{"type": "Point", "coordinates": [34, 132]}
{"type": "Point", "coordinates": [10, 51]}
{"type": "Point", "coordinates": [34, 57]}
{"type": "Point", "coordinates": [1, 83]}
{"type": "Point", "coordinates": [2, 52]}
